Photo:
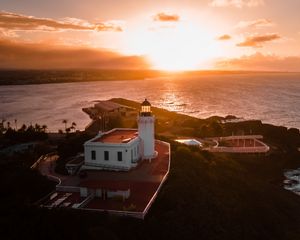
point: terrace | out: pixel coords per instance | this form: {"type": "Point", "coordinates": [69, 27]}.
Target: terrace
{"type": "Point", "coordinates": [141, 185]}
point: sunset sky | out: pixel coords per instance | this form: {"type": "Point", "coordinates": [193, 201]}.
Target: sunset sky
{"type": "Point", "coordinates": [139, 34]}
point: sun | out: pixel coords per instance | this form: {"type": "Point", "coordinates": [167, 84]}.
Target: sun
{"type": "Point", "coordinates": [176, 46]}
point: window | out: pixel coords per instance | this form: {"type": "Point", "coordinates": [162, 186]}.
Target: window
{"type": "Point", "coordinates": [93, 153]}
{"type": "Point", "coordinates": [120, 156]}
{"type": "Point", "coordinates": [106, 155]}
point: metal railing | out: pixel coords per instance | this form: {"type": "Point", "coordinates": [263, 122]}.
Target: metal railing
{"type": "Point", "coordinates": [42, 158]}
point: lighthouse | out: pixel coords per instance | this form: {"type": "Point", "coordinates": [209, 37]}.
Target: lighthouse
{"type": "Point", "coordinates": [146, 131]}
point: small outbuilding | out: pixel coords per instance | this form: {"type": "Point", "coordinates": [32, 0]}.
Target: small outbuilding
{"type": "Point", "coordinates": [190, 142]}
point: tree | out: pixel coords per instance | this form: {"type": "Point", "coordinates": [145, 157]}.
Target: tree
{"type": "Point", "coordinates": [68, 130]}
{"type": "Point", "coordinates": [37, 127]}
{"type": "Point", "coordinates": [2, 128]}
{"type": "Point", "coordinates": [217, 128]}
{"type": "Point", "coordinates": [65, 121]}
{"type": "Point", "coordinates": [23, 128]}
{"type": "Point", "coordinates": [44, 127]}
{"type": "Point", "coordinates": [73, 126]}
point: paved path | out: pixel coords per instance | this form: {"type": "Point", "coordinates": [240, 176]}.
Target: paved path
{"type": "Point", "coordinates": [46, 167]}
{"type": "Point", "coordinates": [149, 172]}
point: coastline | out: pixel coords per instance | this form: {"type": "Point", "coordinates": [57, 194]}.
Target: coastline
{"type": "Point", "coordinates": [51, 76]}
{"type": "Point", "coordinates": [201, 186]}
{"type": "Point", "coordinates": [27, 77]}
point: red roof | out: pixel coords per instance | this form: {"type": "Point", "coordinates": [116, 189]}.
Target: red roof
{"type": "Point", "coordinates": [118, 136]}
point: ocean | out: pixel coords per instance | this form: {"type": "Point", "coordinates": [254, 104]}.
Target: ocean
{"type": "Point", "coordinates": [272, 98]}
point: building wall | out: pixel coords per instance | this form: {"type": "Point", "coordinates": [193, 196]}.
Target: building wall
{"type": "Point", "coordinates": [127, 162]}
{"type": "Point", "coordinates": [146, 133]}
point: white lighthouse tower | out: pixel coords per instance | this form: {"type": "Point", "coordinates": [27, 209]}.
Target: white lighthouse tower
{"type": "Point", "coordinates": [146, 131]}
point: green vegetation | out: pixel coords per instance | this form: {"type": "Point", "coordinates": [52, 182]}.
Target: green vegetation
{"type": "Point", "coordinates": [207, 196]}
{"type": "Point", "coordinates": [72, 145]}
{"type": "Point", "coordinates": [10, 136]}
{"type": "Point", "coordinates": [20, 186]}
{"type": "Point", "coordinates": [167, 124]}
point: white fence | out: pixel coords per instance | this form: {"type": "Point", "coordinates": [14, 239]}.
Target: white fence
{"type": "Point", "coordinates": [240, 149]}
{"type": "Point", "coordinates": [42, 158]}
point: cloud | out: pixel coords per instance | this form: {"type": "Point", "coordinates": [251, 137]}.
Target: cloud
{"type": "Point", "coordinates": [224, 37]}
{"type": "Point", "coordinates": [166, 17]}
{"type": "Point", "coordinates": [236, 3]}
{"type": "Point", "coordinates": [258, 40]}
{"type": "Point", "coordinates": [260, 62]}
{"type": "Point", "coordinates": [108, 26]}
{"type": "Point", "coordinates": [258, 23]}
{"type": "Point", "coordinates": [19, 55]}
{"type": "Point", "coordinates": [14, 21]}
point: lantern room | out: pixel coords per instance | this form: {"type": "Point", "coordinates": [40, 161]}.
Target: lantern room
{"type": "Point", "coordinates": [146, 108]}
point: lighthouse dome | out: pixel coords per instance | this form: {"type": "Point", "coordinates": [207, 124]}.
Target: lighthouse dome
{"type": "Point", "coordinates": [146, 103]}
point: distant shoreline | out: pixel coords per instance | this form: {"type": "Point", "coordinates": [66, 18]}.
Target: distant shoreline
{"type": "Point", "coordinates": [28, 77]}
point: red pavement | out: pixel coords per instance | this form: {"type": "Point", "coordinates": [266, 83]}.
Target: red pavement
{"type": "Point", "coordinates": [143, 182]}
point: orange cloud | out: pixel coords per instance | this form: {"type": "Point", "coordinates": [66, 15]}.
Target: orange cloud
{"type": "Point", "coordinates": [14, 21]}
{"type": "Point", "coordinates": [166, 17]}
{"type": "Point", "coordinates": [224, 37]}
{"type": "Point", "coordinates": [260, 62]}
{"type": "Point", "coordinates": [258, 40]}
{"type": "Point", "coordinates": [46, 56]}
{"type": "Point", "coordinates": [236, 3]}
{"type": "Point", "coordinates": [258, 23]}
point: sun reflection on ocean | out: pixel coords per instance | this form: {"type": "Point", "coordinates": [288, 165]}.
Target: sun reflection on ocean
{"type": "Point", "coordinates": [170, 98]}
{"type": "Point", "coordinates": [202, 97]}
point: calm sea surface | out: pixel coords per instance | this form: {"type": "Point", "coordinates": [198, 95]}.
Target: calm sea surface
{"type": "Point", "coordinates": [273, 98]}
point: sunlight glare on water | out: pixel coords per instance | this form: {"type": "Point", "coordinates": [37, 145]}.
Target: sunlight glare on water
{"type": "Point", "coordinates": [272, 98]}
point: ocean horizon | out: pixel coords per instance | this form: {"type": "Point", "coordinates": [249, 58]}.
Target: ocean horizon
{"type": "Point", "coordinates": [272, 98]}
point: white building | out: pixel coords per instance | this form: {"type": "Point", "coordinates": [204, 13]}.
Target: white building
{"type": "Point", "coordinates": [146, 131]}
{"type": "Point", "coordinates": [190, 142]}
{"type": "Point", "coordinates": [121, 148]}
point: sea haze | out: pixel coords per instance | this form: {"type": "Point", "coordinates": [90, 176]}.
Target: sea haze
{"type": "Point", "coordinates": [273, 98]}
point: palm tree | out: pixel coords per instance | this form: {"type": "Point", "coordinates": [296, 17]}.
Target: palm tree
{"type": "Point", "coordinates": [16, 124]}
{"type": "Point", "coordinates": [44, 127]}
{"type": "Point", "coordinates": [2, 128]}
{"type": "Point", "coordinates": [37, 127]}
{"type": "Point", "coordinates": [68, 130]}
{"type": "Point", "coordinates": [73, 126]}
{"type": "Point", "coordinates": [65, 121]}
{"type": "Point", "coordinates": [23, 128]}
